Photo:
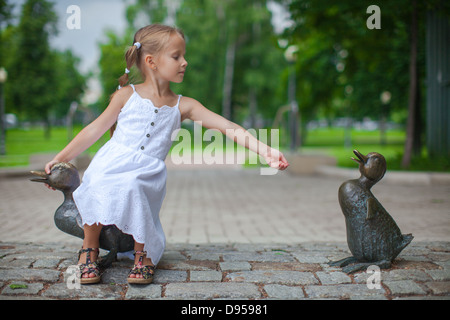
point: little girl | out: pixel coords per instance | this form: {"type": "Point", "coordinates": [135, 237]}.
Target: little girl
{"type": "Point", "coordinates": [125, 183]}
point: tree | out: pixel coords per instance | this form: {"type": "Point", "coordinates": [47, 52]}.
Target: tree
{"type": "Point", "coordinates": [376, 59]}
{"type": "Point", "coordinates": [71, 83]}
{"type": "Point", "coordinates": [32, 65]}
{"type": "Point", "coordinates": [45, 80]}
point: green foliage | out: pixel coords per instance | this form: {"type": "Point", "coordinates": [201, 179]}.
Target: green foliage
{"type": "Point", "coordinates": [344, 65]}
{"type": "Point", "coordinates": [42, 82]}
{"type": "Point", "coordinates": [32, 63]}
{"type": "Point", "coordinates": [257, 63]}
{"type": "Point", "coordinates": [112, 64]}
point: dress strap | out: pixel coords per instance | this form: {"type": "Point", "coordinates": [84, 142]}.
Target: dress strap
{"type": "Point", "coordinates": [132, 85]}
{"type": "Point", "coordinates": [179, 98]}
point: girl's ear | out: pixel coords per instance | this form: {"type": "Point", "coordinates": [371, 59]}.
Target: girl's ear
{"type": "Point", "coordinates": [150, 62]}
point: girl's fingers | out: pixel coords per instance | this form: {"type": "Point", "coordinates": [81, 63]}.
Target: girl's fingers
{"type": "Point", "coordinates": [51, 188]}
{"type": "Point", "coordinates": [49, 165]}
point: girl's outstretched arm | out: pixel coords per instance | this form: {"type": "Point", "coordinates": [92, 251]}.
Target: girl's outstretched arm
{"type": "Point", "coordinates": [195, 111]}
{"type": "Point", "coordinates": [92, 132]}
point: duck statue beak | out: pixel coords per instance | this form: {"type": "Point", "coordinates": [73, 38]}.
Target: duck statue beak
{"type": "Point", "coordinates": [361, 158]}
{"type": "Point", "coordinates": [43, 176]}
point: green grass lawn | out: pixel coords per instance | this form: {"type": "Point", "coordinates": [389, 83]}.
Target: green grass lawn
{"type": "Point", "coordinates": [20, 144]}
{"type": "Point", "coordinates": [331, 141]}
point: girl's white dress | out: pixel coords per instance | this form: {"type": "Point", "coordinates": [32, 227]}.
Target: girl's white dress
{"type": "Point", "coordinates": [125, 183]}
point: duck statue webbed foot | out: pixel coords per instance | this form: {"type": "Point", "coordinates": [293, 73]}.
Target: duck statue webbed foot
{"type": "Point", "coordinates": [65, 178]}
{"type": "Point", "coordinates": [351, 264]}
{"type": "Point", "coordinates": [373, 237]}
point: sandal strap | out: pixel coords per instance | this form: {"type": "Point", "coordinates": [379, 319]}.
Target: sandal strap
{"type": "Point", "coordinates": [141, 258]}
{"type": "Point", "coordinates": [146, 271]}
{"type": "Point", "coordinates": [88, 266]}
{"type": "Point", "coordinates": [88, 256]}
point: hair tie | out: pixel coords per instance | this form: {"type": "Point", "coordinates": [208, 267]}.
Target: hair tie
{"type": "Point", "coordinates": [137, 44]}
{"type": "Point", "coordinates": [127, 71]}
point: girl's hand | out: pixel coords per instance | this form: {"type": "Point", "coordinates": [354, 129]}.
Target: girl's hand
{"type": "Point", "coordinates": [49, 165]}
{"type": "Point", "coordinates": [48, 168]}
{"type": "Point", "coordinates": [275, 159]}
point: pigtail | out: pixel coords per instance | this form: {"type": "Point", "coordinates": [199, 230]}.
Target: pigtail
{"type": "Point", "coordinates": [131, 57]}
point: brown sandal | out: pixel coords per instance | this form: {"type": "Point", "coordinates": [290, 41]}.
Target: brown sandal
{"type": "Point", "coordinates": [89, 267]}
{"type": "Point", "coordinates": [147, 272]}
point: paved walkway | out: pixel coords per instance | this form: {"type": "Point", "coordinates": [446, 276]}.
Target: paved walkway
{"type": "Point", "coordinates": [234, 234]}
{"type": "Point", "coordinates": [229, 271]}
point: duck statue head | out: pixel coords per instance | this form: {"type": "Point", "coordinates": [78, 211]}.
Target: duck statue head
{"type": "Point", "coordinates": [63, 177]}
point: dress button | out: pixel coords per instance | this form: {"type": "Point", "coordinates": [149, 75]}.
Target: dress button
{"type": "Point", "coordinates": [156, 111]}
{"type": "Point", "coordinates": [142, 148]}
{"type": "Point", "coordinates": [148, 135]}
{"type": "Point", "coordinates": [152, 124]}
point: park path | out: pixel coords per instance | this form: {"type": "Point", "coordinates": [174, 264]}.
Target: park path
{"type": "Point", "coordinates": [228, 204]}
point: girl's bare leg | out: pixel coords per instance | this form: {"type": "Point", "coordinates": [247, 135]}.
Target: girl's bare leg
{"type": "Point", "coordinates": [91, 240]}
{"type": "Point", "coordinates": [145, 262]}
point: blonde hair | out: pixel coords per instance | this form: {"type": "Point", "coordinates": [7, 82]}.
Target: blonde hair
{"type": "Point", "coordinates": [152, 39]}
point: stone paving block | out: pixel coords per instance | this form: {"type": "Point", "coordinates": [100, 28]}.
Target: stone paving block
{"type": "Point", "coordinates": [344, 291]}
{"type": "Point", "coordinates": [235, 266]}
{"type": "Point", "coordinates": [47, 263]}
{"type": "Point", "coordinates": [43, 254]}
{"type": "Point", "coordinates": [172, 255]}
{"type": "Point", "coordinates": [97, 291]}
{"type": "Point", "coordinates": [273, 276]}
{"type": "Point", "coordinates": [333, 277]}
{"type": "Point", "coordinates": [277, 291]}
{"type": "Point", "coordinates": [199, 265]}
{"type": "Point", "coordinates": [404, 287]}
{"type": "Point", "coordinates": [203, 255]}
{"type": "Point", "coordinates": [287, 266]}
{"type": "Point", "coordinates": [208, 290]}
{"type": "Point", "coordinates": [256, 256]}
{"type": "Point", "coordinates": [440, 275]}
{"type": "Point", "coordinates": [204, 276]}
{"type": "Point", "coordinates": [114, 276]}
{"type": "Point", "coordinates": [308, 257]}
{"type": "Point", "coordinates": [165, 276]}
{"type": "Point", "coordinates": [438, 287]}
{"type": "Point", "coordinates": [29, 274]}
{"type": "Point", "coordinates": [414, 264]}
{"type": "Point", "coordinates": [394, 275]}
{"type": "Point", "coordinates": [150, 291]}
{"type": "Point", "coordinates": [31, 288]}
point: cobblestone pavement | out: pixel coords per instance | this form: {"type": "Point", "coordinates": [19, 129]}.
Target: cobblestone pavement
{"type": "Point", "coordinates": [225, 271]}
{"type": "Point", "coordinates": [233, 234]}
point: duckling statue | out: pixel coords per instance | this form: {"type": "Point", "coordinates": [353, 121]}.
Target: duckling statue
{"type": "Point", "coordinates": [65, 178]}
{"type": "Point", "coordinates": [373, 237]}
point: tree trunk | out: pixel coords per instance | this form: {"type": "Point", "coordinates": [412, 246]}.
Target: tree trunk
{"type": "Point", "coordinates": [412, 143]}
{"type": "Point", "coordinates": [228, 80]}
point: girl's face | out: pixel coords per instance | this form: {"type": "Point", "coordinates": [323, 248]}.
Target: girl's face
{"type": "Point", "coordinates": [170, 64]}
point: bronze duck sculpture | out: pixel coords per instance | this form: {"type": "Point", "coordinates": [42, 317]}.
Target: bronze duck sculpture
{"type": "Point", "coordinates": [65, 178]}
{"type": "Point", "coordinates": [373, 237]}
